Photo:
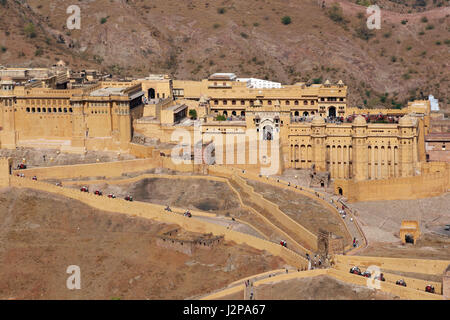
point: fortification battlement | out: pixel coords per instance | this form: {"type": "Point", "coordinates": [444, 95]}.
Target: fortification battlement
{"type": "Point", "coordinates": [193, 238]}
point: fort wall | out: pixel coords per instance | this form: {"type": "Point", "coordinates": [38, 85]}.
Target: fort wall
{"type": "Point", "coordinates": [187, 244]}
{"type": "Point", "coordinates": [316, 196]}
{"type": "Point", "coordinates": [425, 266]}
{"type": "Point", "coordinates": [388, 287]}
{"type": "Point", "coordinates": [414, 283]}
{"type": "Point", "coordinates": [104, 169]}
{"type": "Point", "coordinates": [396, 290]}
{"type": "Point", "coordinates": [150, 211]}
{"type": "Point", "coordinates": [307, 238]}
{"type": "Point", "coordinates": [434, 182]}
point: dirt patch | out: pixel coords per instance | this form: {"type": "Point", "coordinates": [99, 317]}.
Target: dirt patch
{"type": "Point", "coordinates": [317, 288]}
{"type": "Point", "coordinates": [42, 234]}
{"type": "Point", "coordinates": [193, 194]}
{"type": "Point", "coordinates": [382, 219]}
{"type": "Point", "coordinates": [52, 157]}
{"type": "Point", "coordinates": [428, 246]}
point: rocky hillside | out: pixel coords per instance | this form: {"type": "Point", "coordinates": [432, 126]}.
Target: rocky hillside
{"type": "Point", "coordinates": [281, 40]}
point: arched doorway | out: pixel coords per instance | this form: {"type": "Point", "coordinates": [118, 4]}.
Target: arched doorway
{"type": "Point", "coordinates": [296, 114]}
{"type": "Point", "coordinates": [233, 113]}
{"type": "Point", "coordinates": [332, 112]}
{"type": "Point", "coordinates": [306, 113]}
{"type": "Point", "coordinates": [151, 93]}
{"type": "Point", "coordinates": [267, 133]}
{"type": "Point", "coordinates": [225, 113]}
{"type": "Point", "coordinates": [340, 191]}
{"type": "Point", "coordinates": [409, 238]}
{"type": "Point", "coordinates": [242, 113]}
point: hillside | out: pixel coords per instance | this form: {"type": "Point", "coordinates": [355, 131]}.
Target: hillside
{"type": "Point", "coordinates": [192, 39]}
{"type": "Point", "coordinates": [42, 234]}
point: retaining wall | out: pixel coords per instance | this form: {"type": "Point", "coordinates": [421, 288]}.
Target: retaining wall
{"type": "Point", "coordinates": [396, 290]}
{"type": "Point", "coordinates": [423, 186]}
{"type": "Point", "coordinates": [151, 211]}
{"type": "Point", "coordinates": [435, 267]}
{"type": "Point", "coordinates": [414, 283]}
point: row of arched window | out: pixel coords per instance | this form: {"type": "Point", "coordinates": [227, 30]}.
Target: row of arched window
{"type": "Point", "coordinates": [269, 102]}
{"type": "Point", "coordinates": [49, 110]}
{"type": "Point", "coordinates": [47, 102]}
{"type": "Point", "coordinates": [233, 113]}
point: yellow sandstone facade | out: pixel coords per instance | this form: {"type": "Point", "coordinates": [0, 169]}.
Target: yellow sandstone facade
{"type": "Point", "coordinates": [98, 116]}
{"type": "Point", "coordinates": [316, 127]}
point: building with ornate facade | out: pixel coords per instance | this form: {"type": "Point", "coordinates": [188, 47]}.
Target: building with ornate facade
{"type": "Point", "coordinates": [315, 126]}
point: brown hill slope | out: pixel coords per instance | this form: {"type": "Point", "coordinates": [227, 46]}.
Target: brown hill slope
{"type": "Point", "coordinates": [191, 39]}
{"type": "Point", "coordinates": [42, 234]}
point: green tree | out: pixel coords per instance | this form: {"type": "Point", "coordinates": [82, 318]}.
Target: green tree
{"type": "Point", "coordinates": [30, 31]}
{"type": "Point", "coordinates": [193, 114]}
{"type": "Point", "coordinates": [363, 32]}
{"type": "Point", "coordinates": [220, 118]}
{"type": "Point", "coordinates": [286, 20]}
{"type": "Point", "coordinates": [317, 80]}
{"type": "Point", "coordinates": [335, 13]}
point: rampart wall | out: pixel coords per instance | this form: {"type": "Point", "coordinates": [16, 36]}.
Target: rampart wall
{"type": "Point", "coordinates": [157, 213]}
{"type": "Point", "coordinates": [425, 266]}
{"type": "Point", "coordinates": [391, 288]}
{"type": "Point", "coordinates": [414, 283]}
{"type": "Point", "coordinates": [308, 239]}
{"type": "Point", "coordinates": [423, 186]}
{"type": "Point", "coordinates": [388, 287]}
{"type": "Point", "coordinates": [104, 169]}
{"type": "Point", "coordinates": [316, 196]}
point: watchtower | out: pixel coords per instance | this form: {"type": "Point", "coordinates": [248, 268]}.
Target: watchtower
{"type": "Point", "coordinates": [409, 231]}
{"type": "Point", "coordinates": [329, 243]}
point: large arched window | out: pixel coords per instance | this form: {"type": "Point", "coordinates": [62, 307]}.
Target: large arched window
{"type": "Point", "coordinates": [332, 112]}
{"type": "Point", "coordinates": [151, 93]}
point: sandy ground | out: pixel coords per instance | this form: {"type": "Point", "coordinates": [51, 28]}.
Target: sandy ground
{"type": "Point", "coordinates": [35, 157]}
{"type": "Point", "coordinates": [429, 246]}
{"type": "Point", "coordinates": [317, 288]}
{"type": "Point", "coordinates": [381, 220]}
{"type": "Point", "coordinates": [42, 234]}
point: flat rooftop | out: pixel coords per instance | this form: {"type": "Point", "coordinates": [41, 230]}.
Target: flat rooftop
{"type": "Point", "coordinates": [438, 136]}
{"type": "Point", "coordinates": [108, 91]}
{"type": "Point", "coordinates": [222, 76]}
{"type": "Point", "coordinates": [177, 108]}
